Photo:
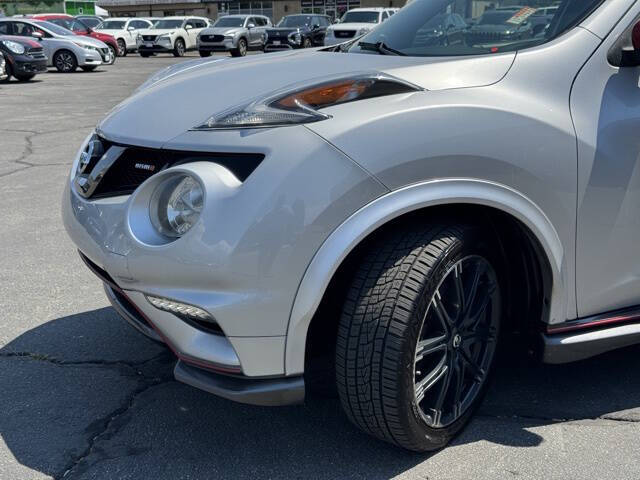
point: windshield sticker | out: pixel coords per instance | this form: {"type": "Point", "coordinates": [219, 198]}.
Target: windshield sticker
{"type": "Point", "coordinates": [521, 15]}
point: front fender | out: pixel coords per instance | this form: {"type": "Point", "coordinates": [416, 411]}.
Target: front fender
{"type": "Point", "coordinates": [394, 204]}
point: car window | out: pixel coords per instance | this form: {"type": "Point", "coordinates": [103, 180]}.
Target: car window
{"type": "Point", "coordinates": [112, 25]}
{"type": "Point", "coordinates": [416, 29]}
{"type": "Point", "coordinates": [23, 29]}
{"type": "Point", "coordinates": [5, 28]}
{"type": "Point", "coordinates": [229, 22]}
{"type": "Point", "coordinates": [385, 15]}
{"type": "Point", "coordinates": [360, 17]}
{"type": "Point", "coordinates": [90, 21]}
{"type": "Point", "coordinates": [167, 24]}
{"type": "Point", "coordinates": [138, 24]}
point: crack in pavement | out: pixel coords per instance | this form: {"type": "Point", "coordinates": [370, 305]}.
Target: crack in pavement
{"type": "Point", "coordinates": [103, 427]}
{"type": "Point", "coordinates": [111, 423]}
{"type": "Point", "coordinates": [55, 361]}
{"type": "Point", "coordinates": [28, 150]}
{"type": "Point", "coordinates": [541, 418]}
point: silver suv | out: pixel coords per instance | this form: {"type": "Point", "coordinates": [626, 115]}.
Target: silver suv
{"type": "Point", "coordinates": [390, 210]}
{"type": "Point", "coordinates": [235, 34]}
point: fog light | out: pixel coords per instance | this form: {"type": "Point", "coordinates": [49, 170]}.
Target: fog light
{"type": "Point", "coordinates": [179, 308]}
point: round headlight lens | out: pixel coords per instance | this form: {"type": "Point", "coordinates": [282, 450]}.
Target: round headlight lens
{"type": "Point", "coordinates": [176, 205]}
{"type": "Point", "coordinates": [15, 47]}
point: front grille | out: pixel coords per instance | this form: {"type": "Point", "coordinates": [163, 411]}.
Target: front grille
{"type": "Point", "coordinates": [212, 38]}
{"type": "Point", "coordinates": [36, 53]}
{"type": "Point", "coordinates": [149, 38]}
{"type": "Point", "coordinates": [137, 164]}
{"type": "Point", "coordinates": [344, 33]}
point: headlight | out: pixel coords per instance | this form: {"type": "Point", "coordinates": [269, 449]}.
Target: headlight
{"type": "Point", "coordinates": [295, 37]}
{"type": "Point", "coordinates": [300, 104]}
{"type": "Point", "coordinates": [86, 47]}
{"type": "Point", "coordinates": [15, 47]}
{"type": "Point", "coordinates": [176, 205]}
{"type": "Point", "coordinates": [229, 37]}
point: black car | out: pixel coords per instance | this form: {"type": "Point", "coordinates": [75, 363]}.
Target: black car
{"type": "Point", "coordinates": [497, 27]}
{"type": "Point", "coordinates": [297, 31]}
{"type": "Point", "coordinates": [25, 57]}
{"type": "Point", "coordinates": [444, 29]}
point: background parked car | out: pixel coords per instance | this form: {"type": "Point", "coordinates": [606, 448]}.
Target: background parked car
{"type": "Point", "coordinates": [64, 50]}
{"type": "Point", "coordinates": [91, 21]}
{"type": "Point", "coordinates": [234, 33]}
{"type": "Point", "coordinates": [3, 75]}
{"type": "Point", "coordinates": [125, 31]}
{"type": "Point", "coordinates": [297, 31]}
{"type": "Point", "coordinates": [444, 29]}
{"type": "Point", "coordinates": [356, 22]}
{"type": "Point", "coordinates": [79, 28]}
{"type": "Point", "coordinates": [496, 26]}
{"type": "Point", "coordinates": [24, 57]}
{"type": "Point", "coordinates": [175, 35]}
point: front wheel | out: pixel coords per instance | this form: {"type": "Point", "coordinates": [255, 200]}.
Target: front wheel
{"type": "Point", "coordinates": [179, 48]}
{"type": "Point", "coordinates": [24, 77]}
{"type": "Point", "coordinates": [114, 54]}
{"type": "Point", "coordinates": [418, 334]}
{"type": "Point", "coordinates": [241, 49]}
{"type": "Point", "coordinates": [65, 61]}
{"type": "Point", "coordinates": [122, 48]}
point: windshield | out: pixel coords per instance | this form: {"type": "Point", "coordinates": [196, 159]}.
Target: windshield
{"type": "Point", "coordinates": [361, 17]}
{"type": "Point", "coordinates": [160, 24]}
{"type": "Point", "coordinates": [70, 24]}
{"type": "Point", "coordinates": [295, 21]}
{"type": "Point", "coordinates": [229, 22]}
{"type": "Point", "coordinates": [472, 27]}
{"type": "Point", "coordinates": [112, 25]}
{"type": "Point", "coordinates": [52, 27]}
{"type": "Point", "coordinates": [90, 21]}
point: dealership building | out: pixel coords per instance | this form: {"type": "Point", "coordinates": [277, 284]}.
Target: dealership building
{"type": "Point", "coordinates": [274, 9]}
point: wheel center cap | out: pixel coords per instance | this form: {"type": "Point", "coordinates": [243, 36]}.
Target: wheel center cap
{"type": "Point", "coordinates": [457, 340]}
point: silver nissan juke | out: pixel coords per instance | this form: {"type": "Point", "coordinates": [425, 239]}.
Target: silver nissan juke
{"type": "Point", "coordinates": [389, 211]}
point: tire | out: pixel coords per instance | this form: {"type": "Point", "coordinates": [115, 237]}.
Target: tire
{"type": "Point", "coordinates": [8, 71]}
{"type": "Point", "coordinates": [65, 61]}
{"type": "Point", "coordinates": [307, 43]}
{"type": "Point", "coordinates": [89, 68]}
{"type": "Point", "coordinates": [241, 49]}
{"type": "Point", "coordinates": [24, 77]}
{"type": "Point", "coordinates": [122, 48]}
{"type": "Point", "coordinates": [407, 278]}
{"type": "Point", "coordinates": [114, 54]}
{"type": "Point", "coordinates": [204, 53]}
{"type": "Point", "coordinates": [178, 48]}
{"type": "Point", "coordinates": [145, 54]}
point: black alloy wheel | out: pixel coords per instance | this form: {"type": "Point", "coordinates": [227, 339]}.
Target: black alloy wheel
{"type": "Point", "coordinates": [65, 61]}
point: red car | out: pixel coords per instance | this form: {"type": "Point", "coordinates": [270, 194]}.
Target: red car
{"type": "Point", "coordinates": [79, 28]}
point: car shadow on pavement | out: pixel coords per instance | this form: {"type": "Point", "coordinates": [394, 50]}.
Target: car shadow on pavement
{"type": "Point", "coordinates": [88, 396]}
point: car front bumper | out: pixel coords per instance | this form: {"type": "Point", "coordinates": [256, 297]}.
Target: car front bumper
{"type": "Point", "coordinates": [155, 47]}
{"type": "Point", "coordinates": [223, 46]}
{"type": "Point", "coordinates": [89, 57]}
{"type": "Point", "coordinates": [244, 260]}
{"type": "Point", "coordinates": [26, 65]}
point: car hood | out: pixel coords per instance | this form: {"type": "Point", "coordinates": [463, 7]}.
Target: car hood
{"type": "Point", "coordinates": [286, 30]}
{"type": "Point", "coordinates": [82, 40]}
{"type": "Point", "coordinates": [180, 99]}
{"type": "Point", "coordinates": [21, 40]}
{"type": "Point", "coordinates": [156, 31]}
{"type": "Point", "coordinates": [112, 33]}
{"type": "Point", "coordinates": [353, 26]}
{"type": "Point", "coordinates": [221, 30]}
{"type": "Point", "coordinates": [102, 36]}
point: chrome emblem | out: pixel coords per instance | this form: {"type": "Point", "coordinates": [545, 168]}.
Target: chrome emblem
{"type": "Point", "coordinates": [145, 166]}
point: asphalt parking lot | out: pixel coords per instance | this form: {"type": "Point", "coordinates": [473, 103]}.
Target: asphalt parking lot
{"type": "Point", "coordinates": [82, 395]}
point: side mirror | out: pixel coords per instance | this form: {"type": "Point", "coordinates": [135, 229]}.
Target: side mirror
{"type": "Point", "coordinates": [188, 27]}
{"type": "Point", "coordinates": [250, 26]}
{"type": "Point", "coordinates": [630, 55]}
{"type": "Point", "coordinates": [131, 29]}
{"type": "Point", "coordinates": [37, 35]}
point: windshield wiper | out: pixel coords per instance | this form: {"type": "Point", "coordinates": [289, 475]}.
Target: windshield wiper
{"type": "Point", "coordinates": [380, 47]}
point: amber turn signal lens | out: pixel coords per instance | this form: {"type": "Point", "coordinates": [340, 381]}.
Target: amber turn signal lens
{"type": "Point", "coordinates": [325, 95]}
